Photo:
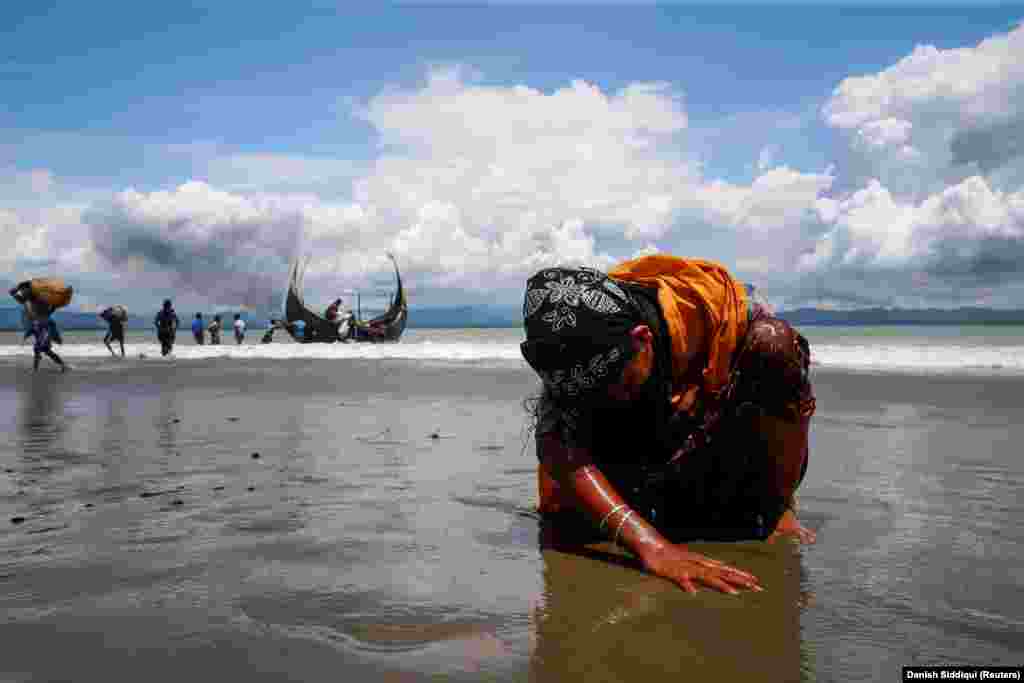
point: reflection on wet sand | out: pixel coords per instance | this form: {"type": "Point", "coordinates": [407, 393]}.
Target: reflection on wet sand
{"type": "Point", "coordinates": [167, 424]}
{"type": "Point", "coordinates": [41, 416]}
{"type": "Point", "coordinates": [328, 558]}
{"type": "Point", "coordinates": [603, 618]}
{"type": "Point", "coordinates": [41, 425]}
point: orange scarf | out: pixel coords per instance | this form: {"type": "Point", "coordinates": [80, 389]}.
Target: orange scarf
{"type": "Point", "coordinates": [706, 312]}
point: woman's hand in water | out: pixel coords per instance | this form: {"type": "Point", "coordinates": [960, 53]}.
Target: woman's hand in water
{"type": "Point", "coordinates": [687, 569]}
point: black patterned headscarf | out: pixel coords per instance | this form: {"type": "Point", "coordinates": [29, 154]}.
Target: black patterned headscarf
{"type": "Point", "coordinates": [578, 324]}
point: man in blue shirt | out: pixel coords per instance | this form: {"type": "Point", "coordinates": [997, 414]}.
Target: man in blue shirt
{"type": "Point", "coordinates": [198, 329]}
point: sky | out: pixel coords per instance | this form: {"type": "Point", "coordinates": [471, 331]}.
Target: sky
{"type": "Point", "coordinates": [836, 156]}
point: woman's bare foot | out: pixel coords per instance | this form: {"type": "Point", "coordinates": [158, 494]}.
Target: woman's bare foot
{"type": "Point", "coordinates": [789, 525]}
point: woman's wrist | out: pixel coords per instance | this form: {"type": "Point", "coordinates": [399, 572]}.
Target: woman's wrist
{"type": "Point", "coordinates": [630, 530]}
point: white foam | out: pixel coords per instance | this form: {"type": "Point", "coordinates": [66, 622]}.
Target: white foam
{"type": "Point", "coordinates": [425, 350]}
{"type": "Point", "coordinates": [891, 358]}
{"type": "Point", "coordinates": [921, 359]}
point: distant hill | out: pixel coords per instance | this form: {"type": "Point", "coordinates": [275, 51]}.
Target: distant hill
{"type": "Point", "coordinates": [511, 316]}
{"type": "Point", "coordinates": [466, 316]}
{"type": "Point", "coordinates": [905, 316]}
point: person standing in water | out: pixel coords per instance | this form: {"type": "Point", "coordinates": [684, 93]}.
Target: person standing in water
{"type": "Point", "coordinates": [333, 311]}
{"type": "Point", "coordinates": [214, 329]}
{"type": "Point", "coordinates": [198, 329]}
{"type": "Point", "coordinates": [167, 324]}
{"type": "Point", "coordinates": [115, 332]}
{"type": "Point", "coordinates": [239, 328]}
{"type": "Point", "coordinates": [275, 325]}
{"type": "Point", "coordinates": [45, 332]}
{"type": "Point", "coordinates": [268, 335]}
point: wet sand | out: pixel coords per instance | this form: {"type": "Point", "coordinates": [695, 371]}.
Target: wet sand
{"type": "Point", "coordinates": [386, 531]}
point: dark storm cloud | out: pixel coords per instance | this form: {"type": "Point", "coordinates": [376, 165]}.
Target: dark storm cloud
{"type": "Point", "coordinates": [224, 258]}
{"type": "Point", "coordinates": [988, 262]}
{"type": "Point", "coordinates": [990, 147]}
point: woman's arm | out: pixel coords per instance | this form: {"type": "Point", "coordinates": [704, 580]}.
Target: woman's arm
{"type": "Point", "coordinates": [593, 494]}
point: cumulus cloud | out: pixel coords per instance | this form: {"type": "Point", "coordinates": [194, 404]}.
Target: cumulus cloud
{"type": "Point", "coordinates": [504, 180]}
{"type": "Point", "coordinates": [41, 234]}
{"type": "Point", "coordinates": [928, 198]}
{"type": "Point", "coordinates": [222, 246]}
{"type": "Point", "coordinates": [519, 160]}
{"type": "Point", "coordinates": [766, 225]}
{"type": "Point", "coordinates": [475, 185]}
{"type": "Point", "coordinates": [935, 117]}
{"type": "Point", "coordinates": [966, 237]}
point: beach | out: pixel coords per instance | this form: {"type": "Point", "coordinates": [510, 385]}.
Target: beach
{"type": "Point", "coordinates": [372, 517]}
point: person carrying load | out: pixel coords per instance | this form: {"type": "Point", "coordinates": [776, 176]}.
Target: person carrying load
{"type": "Point", "coordinates": [672, 409]}
{"type": "Point", "coordinates": [41, 297]}
{"type": "Point", "coordinates": [115, 317]}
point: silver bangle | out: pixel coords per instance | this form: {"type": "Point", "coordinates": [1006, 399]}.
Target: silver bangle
{"type": "Point", "coordinates": [608, 516]}
{"type": "Point", "coordinates": [621, 524]}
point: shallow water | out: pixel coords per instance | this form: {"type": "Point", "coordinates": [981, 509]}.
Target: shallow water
{"type": "Point", "coordinates": [386, 530]}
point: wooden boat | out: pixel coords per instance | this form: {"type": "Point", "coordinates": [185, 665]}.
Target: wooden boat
{"type": "Point", "coordinates": [386, 327]}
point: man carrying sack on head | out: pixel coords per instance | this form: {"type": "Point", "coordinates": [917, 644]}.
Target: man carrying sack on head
{"type": "Point", "coordinates": [115, 317]}
{"type": "Point", "coordinates": [673, 409]}
{"type": "Point", "coordinates": [41, 297]}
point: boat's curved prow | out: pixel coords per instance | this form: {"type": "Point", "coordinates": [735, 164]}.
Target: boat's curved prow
{"type": "Point", "coordinates": [388, 326]}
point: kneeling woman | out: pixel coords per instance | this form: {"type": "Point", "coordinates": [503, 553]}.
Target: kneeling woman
{"type": "Point", "coordinates": [673, 409]}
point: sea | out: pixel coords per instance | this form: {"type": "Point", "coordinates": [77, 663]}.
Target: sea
{"type": "Point", "coordinates": [941, 350]}
{"type": "Point", "coordinates": [270, 512]}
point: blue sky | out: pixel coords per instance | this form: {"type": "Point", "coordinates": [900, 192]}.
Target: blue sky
{"type": "Point", "coordinates": [309, 127]}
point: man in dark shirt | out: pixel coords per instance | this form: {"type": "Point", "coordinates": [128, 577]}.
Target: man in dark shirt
{"type": "Point", "coordinates": [115, 332]}
{"type": "Point", "coordinates": [45, 332]}
{"type": "Point", "coordinates": [166, 322]}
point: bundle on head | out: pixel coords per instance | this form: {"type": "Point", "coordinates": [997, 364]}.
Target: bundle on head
{"type": "Point", "coordinates": [52, 291]}
{"type": "Point", "coordinates": [116, 312]}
